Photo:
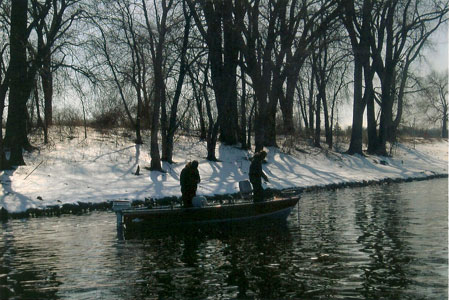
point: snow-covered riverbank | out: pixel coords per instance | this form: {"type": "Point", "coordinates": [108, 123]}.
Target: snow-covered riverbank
{"type": "Point", "coordinates": [102, 168]}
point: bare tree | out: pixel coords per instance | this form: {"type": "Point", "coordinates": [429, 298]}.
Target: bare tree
{"type": "Point", "coordinates": [104, 47]}
{"type": "Point", "coordinates": [258, 53]}
{"type": "Point", "coordinates": [434, 102]}
{"type": "Point", "coordinates": [357, 24]}
{"type": "Point", "coordinates": [201, 90]}
{"type": "Point", "coordinates": [24, 72]}
{"type": "Point", "coordinates": [401, 31]}
{"type": "Point", "coordinates": [170, 123]}
{"type": "Point", "coordinates": [277, 37]}
{"type": "Point", "coordinates": [220, 32]}
{"type": "Point", "coordinates": [62, 14]}
{"type": "Point", "coordinates": [305, 27]}
{"type": "Point", "coordinates": [157, 43]}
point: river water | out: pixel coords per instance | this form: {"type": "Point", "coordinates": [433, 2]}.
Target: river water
{"type": "Point", "coordinates": [379, 242]}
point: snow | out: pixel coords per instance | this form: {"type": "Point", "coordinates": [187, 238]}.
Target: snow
{"type": "Point", "coordinates": [102, 167]}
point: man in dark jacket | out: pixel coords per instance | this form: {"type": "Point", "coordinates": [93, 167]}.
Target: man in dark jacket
{"type": "Point", "coordinates": [189, 179]}
{"type": "Point", "coordinates": [256, 174]}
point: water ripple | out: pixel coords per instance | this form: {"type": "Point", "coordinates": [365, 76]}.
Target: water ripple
{"type": "Point", "coordinates": [381, 242]}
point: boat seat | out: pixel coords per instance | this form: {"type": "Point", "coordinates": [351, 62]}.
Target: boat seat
{"type": "Point", "coordinates": [246, 189]}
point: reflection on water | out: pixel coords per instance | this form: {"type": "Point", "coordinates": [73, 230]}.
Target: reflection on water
{"type": "Point", "coordinates": [386, 242]}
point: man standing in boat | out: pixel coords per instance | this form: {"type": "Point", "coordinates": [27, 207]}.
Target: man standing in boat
{"type": "Point", "coordinates": [256, 174]}
{"type": "Point", "coordinates": [190, 177]}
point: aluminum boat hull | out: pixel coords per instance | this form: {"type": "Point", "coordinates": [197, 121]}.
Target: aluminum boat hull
{"type": "Point", "coordinates": [167, 218]}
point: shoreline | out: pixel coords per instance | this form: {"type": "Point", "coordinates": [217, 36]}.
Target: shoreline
{"type": "Point", "coordinates": [76, 175]}
{"type": "Point", "coordinates": [84, 208]}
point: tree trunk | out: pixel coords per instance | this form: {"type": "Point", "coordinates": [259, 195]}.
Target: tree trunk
{"type": "Point", "coordinates": [243, 112]}
{"type": "Point", "coordinates": [400, 98]}
{"type": "Point", "coordinates": [139, 140]}
{"type": "Point", "coordinates": [212, 136]}
{"type": "Point", "coordinates": [260, 118]}
{"type": "Point", "coordinates": [319, 61]}
{"type": "Point", "coordinates": [47, 87]}
{"type": "Point", "coordinates": [274, 95]}
{"type": "Point", "coordinates": [16, 137]}
{"type": "Point", "coordinates": [311, 105]}
{"type": "Point", "coordinates": [167, 154]}
{"type": "Point", "coordinates": [199, 106]}
{"type": "Point", "coordinates": [230, 63]}
{"type": "Point", "coordinates": [444, 126]}
{"type": "Point", "coordinates": [203, 132]}
{"type": "Point", "coordinates": [358, 109]}
{"type": "Point", "coordinates": [158, 99]}
{"type": "Point", "coordinates": [84, 117]}
{"type": "Point", "coordinates": [250, 124]}
{"type": "Point", "coordinates": [371, 112]}
{"type": "Point", "coordinates": [270, 127]}
{"type": "Point", "coordinates": [386, 116]}
{"type": "Point", "coordinates": [4, 164]}
{"type": "Point", "coordinates": [159, 94]}
{"type": "Point", "coordinates": [40, 123]}
{"type": "Point", "coordinates": [212, 132]}
{"type": "Point", "coordinates": [327, 126]}
{"type": "Point", "coordinates": [287, 113]}
{"type": "Point", "coordinates": [371, 118]}
{"type": "Point", "coordinates": [155, 164]}
{"type": "Point", "coordinates": [302, 106]}
{"type": "Point", "coordinates": [385, 126]}
{"type": "Point", "coordinates": [317, 137]}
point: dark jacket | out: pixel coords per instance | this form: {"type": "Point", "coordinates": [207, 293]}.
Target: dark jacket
{"type": "Point", "coordinates": [255, 169]}
{"type": "Point", "coordinates": [189, 179]}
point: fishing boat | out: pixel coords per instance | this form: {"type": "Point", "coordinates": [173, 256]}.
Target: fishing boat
{"type": "Point", "coordinates": [168, 217]}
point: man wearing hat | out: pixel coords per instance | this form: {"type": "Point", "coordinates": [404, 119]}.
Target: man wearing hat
{"type": "Point", "coordinates": [256, 174]}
